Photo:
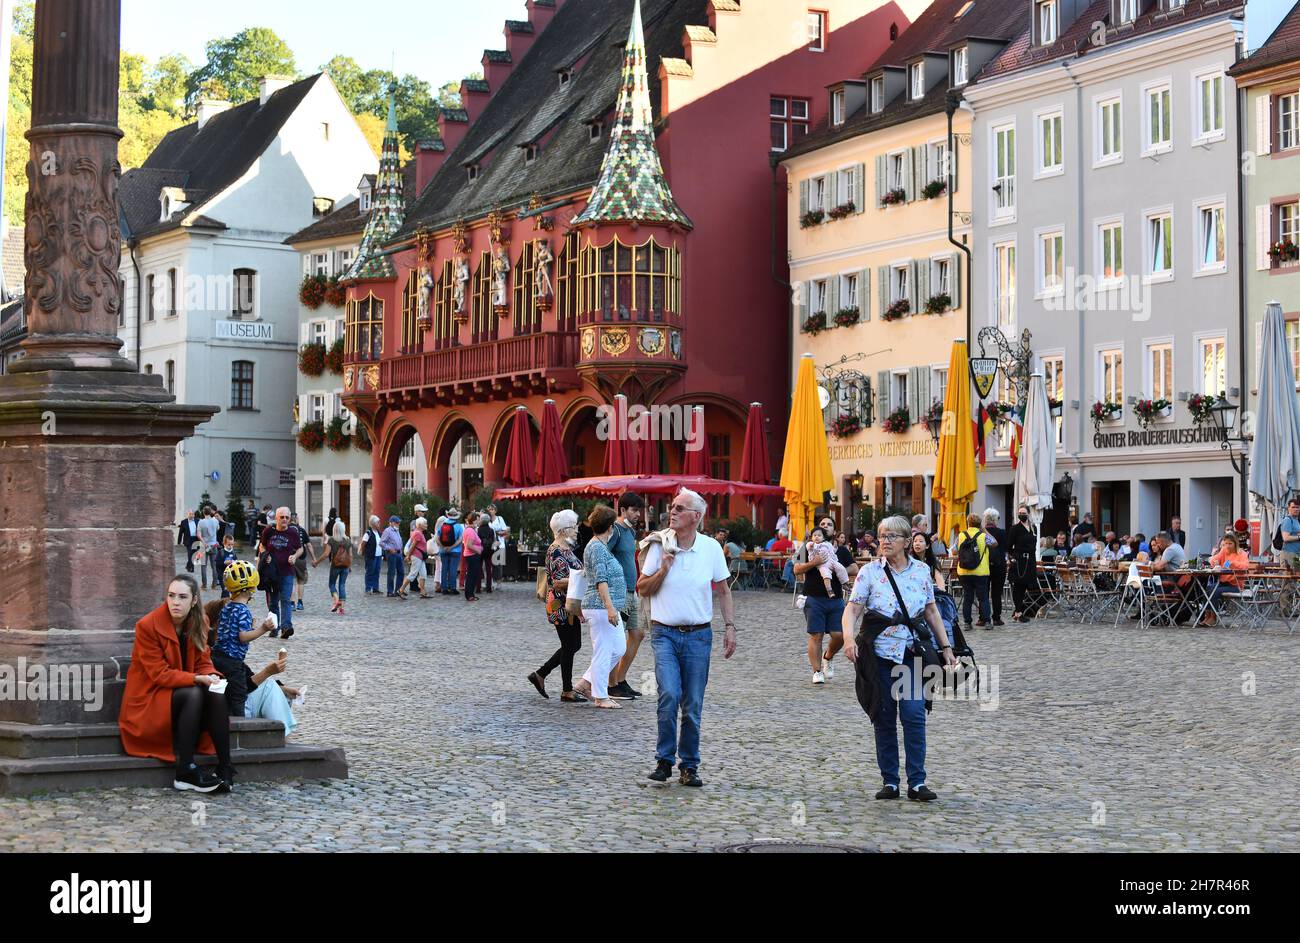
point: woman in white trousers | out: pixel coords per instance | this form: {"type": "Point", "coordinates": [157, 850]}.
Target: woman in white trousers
{"type": "Point", "coordinates": [606, 595]}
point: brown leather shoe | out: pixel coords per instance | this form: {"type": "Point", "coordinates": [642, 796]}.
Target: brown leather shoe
{"type": "Point", "coordinates": [540, 684]}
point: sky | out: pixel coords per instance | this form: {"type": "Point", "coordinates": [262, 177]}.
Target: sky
{"type": "Point", "coordinates": [446, 45]}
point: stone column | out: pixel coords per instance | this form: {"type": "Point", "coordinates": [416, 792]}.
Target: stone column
{"type": "Point", "coordinates": [87, 445]}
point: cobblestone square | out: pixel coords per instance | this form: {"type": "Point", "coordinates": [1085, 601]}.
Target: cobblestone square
{"type": "Point", "coordinates": [1102, 738]}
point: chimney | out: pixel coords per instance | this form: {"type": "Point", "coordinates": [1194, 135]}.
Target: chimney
{"type": "Point", "coordinates": [268, 85]}
{"type": "Point", "coordinates": [519, 36]}
{"type": "Point", "coordinates": [209, 108]}
{"type": "Point", "coordinates": [429, 157]}
{"type": "Point", "coordinates": [474, 97]}
{"type": "Point", "coordinates": [540, 13]}
{"type": "Point", "coordinates": [497, 66]}
{"type": "Point", "coordinates": [453, 124]}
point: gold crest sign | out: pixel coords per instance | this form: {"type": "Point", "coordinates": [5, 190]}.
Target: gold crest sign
{"type": "Point", "coordinates": [984, 373]}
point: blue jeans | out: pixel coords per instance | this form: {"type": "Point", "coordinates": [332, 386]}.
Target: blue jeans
{"type": "Point", "coordinates": [911, 706]}
{"type": "Point", "coordinates": [681, 673]}
{"type": "Point", "coordinates": [286, 601]}
{"type": "Point", "coordinates": [373, 566]}
{"type": "Point", "coordinates": [395, 572]}
{"type": "Point", "coordinates": [450, 570]}
{"type": "Point", "coordinates": [339, 582]}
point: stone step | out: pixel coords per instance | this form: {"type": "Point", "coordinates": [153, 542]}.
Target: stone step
{"type": "Point", "coordinates": [28, 741]}
{"type": "Point", "coordinates": [25, 777]}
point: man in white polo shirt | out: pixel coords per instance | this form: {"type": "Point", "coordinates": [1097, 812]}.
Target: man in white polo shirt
{"type": "Point", "coordinates": [680, 585]}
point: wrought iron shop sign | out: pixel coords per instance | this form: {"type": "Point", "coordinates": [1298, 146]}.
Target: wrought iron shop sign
{"type": "Point", "coordinates": [1149, 438]}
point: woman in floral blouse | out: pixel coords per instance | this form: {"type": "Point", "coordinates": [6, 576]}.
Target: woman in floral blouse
{"type": "Point", "coordinates": [560, 559]}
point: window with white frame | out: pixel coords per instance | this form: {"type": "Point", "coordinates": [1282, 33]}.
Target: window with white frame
{"type": "Point", "coordinates": [1110, 376]}
{"type": "Point", "coordinates": [849, 291]}
{"type": "Point", "coordinates": [1160, 371]}
{"type": "Point", "coordinates": [1212, 234]}
{"type": "Point", "coordinates": [941, 277]}
{"type": "Point", "coordinates": [319, 332]}
{"type": "Point", "coordinates": [916, 80]}
{"type": "Point", "coordinates": [316, 411]}
{"type": "Point", "coordinates": [960, 66]}
{"type": "Point", "coordinates": [936, 161]}
{"type": "Point", "coordinates": [405, 481]}
{"type": "Point", "coordinates": [837, 106]}
{"type": "Point", "coordinates": [1004, 170]}
{"type": "Point", "coordinates": [1288, 223]}
{"type": "Point", "coordinates": [1213, 362]}
{"type": "Point", "coordinates": [938, 384]}
{"type": "Point", "coordinates": [1288, 121]}
{"type": "Point", "coordinates": [816, 31]}
{"type": "Point", "coordinates": [1209, 107]}
{"type": "Point", "coordinates": [1128, 10]}
{"type": "Point", "coordinates": [320, 264]}
{"type": "Point", "coordinates": [1051, 262]}
{"type": "Point", "coordinates": [1159, 119]}
{"type": "Point", "coordinates": [898, 287]}
{"type": "Point", "coordinates": [817, 194]}
{"type": "Point", "coordinates": [1110, 255]}
{"type": "Point", "coordinates": [898, 391]}
{"type": "Point", "coordinates": [1054, 381]}
{"type": "Point", "coordinates": [1293, 345]}
{"type": "Point", "coordinates": [1047, 21]}
{"type": "Point", "coordinates": [1051, 153]}
{"type": "Point", "coordinates": [1110, 143]}
{"type": "Point", "coordinates": [346, 256]}
{"type": "Point", "coordinates": [789, 119]}
{"type": "Point", "coordinates": [820, 296]}
{"type": "Point", "coordinates": [877, 94]}
{"type": "Point", "coordinates": [1004, 285]}
{"type": "Point", "coordinates": [845, 185]}
{"type": "Point", "coordinates": [895, 165]}
{"type": "Point", "coordinates": [365, 201]}
{"type": "Point", "coordinates": [1160, 245]}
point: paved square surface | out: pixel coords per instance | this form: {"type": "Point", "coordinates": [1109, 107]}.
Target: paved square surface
{"type": "Point", "coordinates": [1101, 739]}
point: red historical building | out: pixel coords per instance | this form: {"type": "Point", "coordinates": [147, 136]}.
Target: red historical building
{"type": "Point", "coordinates": [604, 216]}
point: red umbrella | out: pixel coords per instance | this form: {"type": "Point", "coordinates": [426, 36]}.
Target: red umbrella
{"type": "Point", "coordinates": [619, 454]}
{"type": "Point", "coordinates": [755, 466]}
{"type": "Point", "coordinates": [551, 467]}
{"type": "Point", "coordinates": [697, 462]}
{"type": "Point", "coordinates": [613, 486]}
{"type": "Point", "coordinates": [519, 456]}
{"type": "Point", "coordinates": [647, 457]}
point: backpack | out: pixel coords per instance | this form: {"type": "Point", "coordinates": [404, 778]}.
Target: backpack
{"type": "Point", "coordinates": [342, 556]}
{"type": "Point", "coordinates": [969, 556]}
{"type": "Point", "coordinates": [447, 534]}
{"type": "Point", "coordinates": [1278, 542]}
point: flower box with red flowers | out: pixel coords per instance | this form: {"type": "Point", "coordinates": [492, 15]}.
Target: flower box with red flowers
{"type": "Point", "coordinates": [1284, 251]}
{"type": "Point", "coordinates": [334, 359]}
{"type": "Point", "coordinates": [843, 210]}
{"type": "Point", "coordinates": [1148, 411]}
{"type": "Point", "coordinates": [846, 426]}
{"type": "Point", "coordinates": [1201, 406]}
{"type": "Point", "coordinates": [846, 317]}
{"type": "Point", "coordinates": [1105, 412]}
{"type": "Point", "coordinates": [311, 360]}
{"type": "Point", "coordinates": [938, 304]}
{"type": "Point", "coordinates": [897, 310]}
{"type": "Point", "coordinates": [812, 218]}
{"type": "Point", "coordinates": [898, 421]}
{"type": "Point", "coordinates": [934, 188]}
{"type": "Point", "coordinates": [815, 324]}
{"type": "Point", "coordinates": [894, 197]}
{"type": "Point", "coordinates": [312, 291]}
{"type": "Point", "coordinates": [336, 437]}
{"type": "Point", "coordinates": [336, 294]}
{"type": "Point", "coordinates": [311, 436]}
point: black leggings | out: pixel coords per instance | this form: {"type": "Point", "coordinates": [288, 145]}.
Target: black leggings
{"type": "Point", "coordinates": [570, 641]}
{"type": "Point", "coordinates": [194, 710]}
{"type": "Point", "coordinates": [997, 584]}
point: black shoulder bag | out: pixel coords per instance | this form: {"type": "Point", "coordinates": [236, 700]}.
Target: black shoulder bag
{"type": "Point", "coordinates": [924, 646]}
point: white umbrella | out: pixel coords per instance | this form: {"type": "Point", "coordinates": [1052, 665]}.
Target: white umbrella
{"type": "Point", "coordinates": [1275, 456]}
{"type": "Point", "coordinates": [1036, 468]}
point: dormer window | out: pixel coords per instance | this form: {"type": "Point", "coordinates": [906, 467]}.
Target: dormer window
{"type": "Point", "coordinates": [471, 172]}
{"type": "Point", "coordinates": [1047, 22]}
{"type": "Point", "coordinates": [321, 206]}
{"type": "Point", "coordinates": [564, 76]}
{"type": "Point", "coordinates": [877, 94]}
{"type": "Point", "coordinates": [916, 80]}
{"type": "Point", "coordinates": [960, 66]}
{"type": "Point", "coordinates": [594, 131]}
{"type": "Point", "coordinates": [837, 107]}
{"type": "Point", "coordinates": [166, 207]}
{"type": "Point", "coordinates": [530, 153]}
{"type": "Point", "coordinates": [1128, 11]}
{"type": "Point", "coordinates": [365, 201]}
{"type": "Point", "coordinates": [965, 8]}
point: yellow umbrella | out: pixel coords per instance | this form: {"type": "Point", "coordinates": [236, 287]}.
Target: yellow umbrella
{"type": "Point", "coordinates": [806, 470]}
{"type": "Point", "coordinates": [954, 474]}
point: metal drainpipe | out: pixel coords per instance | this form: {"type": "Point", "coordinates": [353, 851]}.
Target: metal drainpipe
{"type": "Point", "coordinates": [132, 244]}
{"type": "Point", "coordinates": [951, 108]}
{"type": "Point", "coordinates": [1080, 237]}
{"type": "Point", "coordinates": [1242, 319]}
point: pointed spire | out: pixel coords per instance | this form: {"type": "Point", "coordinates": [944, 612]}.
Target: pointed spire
{"type": "Point", "coordinates": [631, 187]}
{"type": "Point", "coordinates": [388, 208]}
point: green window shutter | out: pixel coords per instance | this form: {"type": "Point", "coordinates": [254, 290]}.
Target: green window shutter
{"type": "Point", "coordinates": [925, 395]}
{"type": "Point", "coordinates": [955, 279]}
{"type": "Point", "coordinates": [952, 160]}
{"type": "Point", "coordinates": [859, 188]}
{"type": "Point", "coordinates": [864, 294]}
{"type": "Point", "coordinates": [801, 309]}
{"type": "Point", "coordinates": [832, 298]}
{"type": "Point", "coordinates": [912, 286]}
{"type": "Point", "coordinates": [882, 396]}
{"type": "Point", "coordinates": [882, 284]}
{"type": "Point", "coordinates": [881, 181]}
{"type": "Point", "coordinates": [922, 164]}
{"type": "Point", "coordinates": [909, 174]}
{"type": "Point", "coordinates": [803, 197]}
{"type": "Point", "coordinates": [922, 282]}
{"type": "Point", "coordinates": [913, 381]}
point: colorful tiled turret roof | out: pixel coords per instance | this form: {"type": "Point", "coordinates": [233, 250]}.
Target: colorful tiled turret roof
{"type": "Point", "coordinates": [631, 187]}
{"type": "Point", "coordinates": [388, 207]}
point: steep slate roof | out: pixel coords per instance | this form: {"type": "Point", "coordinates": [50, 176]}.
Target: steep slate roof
{"type": "Point", "coordinates": [204, 163]}
{"type": "Point", "coordinates": [1282, 46]}
{"type": "Point", "coordinates": [569, 160]}
{"type": "Point", "coordinates": [348, 220]}
{"type": "Point", "coordinates": [1077, 38]}
{"type": "Point", "coordinates": [934, 30]}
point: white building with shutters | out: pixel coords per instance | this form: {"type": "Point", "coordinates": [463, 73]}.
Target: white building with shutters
{"type": "Point", "coordinates": [210, 286]}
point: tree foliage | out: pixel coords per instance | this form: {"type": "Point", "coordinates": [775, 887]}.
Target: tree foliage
{"type": "Point", "coordinates": [236, 64]}
{"type": "Point", "coordinates": [366, 92]}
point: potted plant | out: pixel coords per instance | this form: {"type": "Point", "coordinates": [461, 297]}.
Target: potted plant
{"type": "Point", "coordinates": [811, 218]}
{"type": "Point", "coordinates": [845, 426]}
{"type": "Point", "coordinates": [312, 291]}
{"type": "Point", "coordinates": [815, 324]}
{"type": "Point", "coordinates": [334, 359]}
{"type": "Point", "coordinates": [938, 304]}
{"type": "Point", "coordinates": [1148, 410]}
{"type": "Point", "coordinates": [1201, 406]}
{"type": "Point", "coordinates": [336, 439]}
{"type": "Point", "coordinates": [894, 197]}
{"type": "Point", "coordinates": [335, 293]}
{"type": "Point", "coordinates": [897, 310]}
{"type": "Point", "coordinates": [1284, 251]}
{"type": "Point", "coordinates": [847, 316]}
{"type": "Point", "coordinates": [311, 359]}
{"type": "Point", "coordinates": [311, 435]}
{"type": "Point", "coordinates": [844, 209]}
{"type": "Point", "coordinates": [898, 421]}
{"type": "Point", "coordinates": [934, 188]}
{"type": "Point", "coordinates": [1105, 411]}
{"type": "Point", "coordinates": [998, 410]}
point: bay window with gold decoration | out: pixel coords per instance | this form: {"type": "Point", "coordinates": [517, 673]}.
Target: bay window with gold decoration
{"type": "Point", "coordinates": [364, 329]}
{"type": "Point", "coordinates": [630, 283]}
{"type": "Point", "coordinates": [412, 333]}
{"type": "Point", "coordinates": [527, 317]}
{"type": "Point", "coordinates": [444, 309]}
{"type": "Point", "coordinates": [483, 317]}
{"type": "Point", "coordinates": [568, 283]}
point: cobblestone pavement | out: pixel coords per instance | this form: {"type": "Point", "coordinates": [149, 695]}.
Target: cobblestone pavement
{"type": "Point", "coordinates": [1101, 739]}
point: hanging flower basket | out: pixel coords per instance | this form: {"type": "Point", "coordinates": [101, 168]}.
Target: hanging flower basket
{"type": "Point", "coordinates": [846, 426]}
{"type": "Point", "coordinates": [334, 359]}
{"type": "Point", "coordinates": [336, 294]}
{"type": "Point", "coordinates": [898, 421]}
{"type": "Point", "coordinates": [934, 188]}
{"type": "Point", "coordinates": [311, 436]}
{"type": "Point", "coordinates": [1201, 407]}
{"type": "Point", "coordinates": [312, 291]}
{"type": "Point", "coordinates": [894, 197]}
{"type": "Point", "coordinates": [311, 360]}
{"type": "Point", "coordinates": [1284, 251]}
{"type": "Point", "coordinates": [1149, 410]}
{"type": "Point", "coordinates": [815, 324]}
{"type": "Point", "coordinates": [897, 310]}
{"type": "Point", "coordinates": [811, 218]}
{"type": "Point", "coordinates": [1105, 412]}
{"type": "Point", "coordinates": [843, 210]}
{"type": "Point", "coordinates": [998, 411]}
{"type": "Point", "coordinates": [846, 317]}
{"type": "Point", "coordinates": [336, 439]}
{"type": "Point", "coordinates": [938, 304]}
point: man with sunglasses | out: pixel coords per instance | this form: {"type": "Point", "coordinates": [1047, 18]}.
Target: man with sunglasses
{"type": "Point", "coordinates": [680, 584]}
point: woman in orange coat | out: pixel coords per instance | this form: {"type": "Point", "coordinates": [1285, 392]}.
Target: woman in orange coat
{"type": "Point", "coordinates": [167, 710]}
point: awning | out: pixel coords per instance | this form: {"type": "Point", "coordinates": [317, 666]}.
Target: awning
{"type": "Point", "coordinates": [615, 485]}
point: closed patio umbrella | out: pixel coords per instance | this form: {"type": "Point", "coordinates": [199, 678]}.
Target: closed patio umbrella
{"type": "Point", "coordinates": [520, 459]}
{"type": "Point", "coordinates": [755, 464]}
{"type": "Point", "coordinates": [954, 474]}
{"type": "Point", "coordinates": [1275, 456]}
{"type": "Point", "coordinates": [551, 467]}
{"type": "Point", "coordinates": [1037, 468]}
{"type": "Point", "coordinates": [619, 457]}
{"type": "Point", "coordinates": [697, 462]}
{"type": "Point", "coordinates": [806, 472]}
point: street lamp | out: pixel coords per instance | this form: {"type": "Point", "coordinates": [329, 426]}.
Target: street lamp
{"type": "Point", "coordinates": [1055, 406]}
{"type": "Point", "coordinates": [1225, 417]}
{"type": "Point", "coordinates": [935, 424]}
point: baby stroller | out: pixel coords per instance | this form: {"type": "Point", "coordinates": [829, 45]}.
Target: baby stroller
{"type": "Point", "coordinates": [961, 649]}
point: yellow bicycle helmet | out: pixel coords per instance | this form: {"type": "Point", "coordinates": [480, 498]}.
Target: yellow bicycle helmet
{"type": "Point", "coordinates": [241, 576]}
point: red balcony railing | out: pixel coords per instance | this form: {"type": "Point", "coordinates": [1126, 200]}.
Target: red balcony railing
{"type": "Point", "coordinates": [513, 357]}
